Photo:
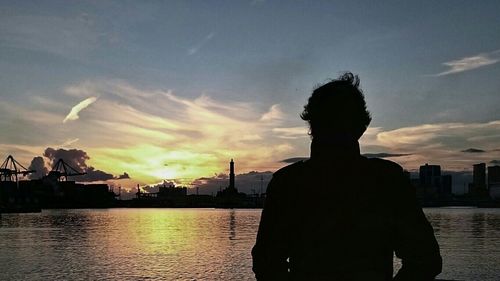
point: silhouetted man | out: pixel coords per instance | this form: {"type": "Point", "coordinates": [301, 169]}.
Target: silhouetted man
{"type": "Point", "coordinates": [339, 215]}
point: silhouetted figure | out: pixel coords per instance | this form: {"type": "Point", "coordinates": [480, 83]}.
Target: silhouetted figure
{"type": "Point", "coordinates": [339, 215]}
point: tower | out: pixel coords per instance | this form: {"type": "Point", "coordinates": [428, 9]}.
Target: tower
{"type": "Point", "coordinates": [430, 175]}
{"type": "Point", "coordinates": [479, 179]}
{"type": "Point", "coordinates": [231, 175]}
{"type": "Point", "coordinates": [479, 175]}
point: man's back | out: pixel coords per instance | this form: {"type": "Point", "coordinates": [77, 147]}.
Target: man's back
{"type": "Point", "coordinates": [340, 216]}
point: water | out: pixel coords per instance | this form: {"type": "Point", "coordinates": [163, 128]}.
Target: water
{"type": "Point", "coordinates": [196, 244]}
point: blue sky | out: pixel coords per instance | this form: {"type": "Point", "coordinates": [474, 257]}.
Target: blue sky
{"type": "Point", "coordinates": [213, 80]}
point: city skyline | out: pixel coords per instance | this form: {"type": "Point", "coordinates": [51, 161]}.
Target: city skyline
{"type": "Point", "coordinates": [172, 91]}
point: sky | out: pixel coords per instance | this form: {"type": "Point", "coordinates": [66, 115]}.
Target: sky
{"type": "Point", "coordinates": [137, 92]}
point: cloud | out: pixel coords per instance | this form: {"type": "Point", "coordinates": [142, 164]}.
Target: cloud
{"type": "Point", "coordinates": [38, 164]}
{"type": "Point", "coordinates": [95, 175]}
{"type": "Point", "coordinates": [294, 159]}
{"type": "Point", "coordinates": [441, 134]}
{"type": "Point", "coordinates": [193, 50]}
{"type": "Point", "coordinates": [440, 143]}
{"type": "Point", "coordinates": [197, 136]}
{"type": "Point", "coordinates": [291, 132]}
{"type": "Point", "coordinates": [28, 124]}
{"type": "Point", "coordinates": [77, 159]}
{"type": "Point", "coordinates": [73, 114]}
{"type": "Point", "coordinates": [385, 155]}
{"type": "Point", "coordinates": [274, 113]}
{"type": "Point", "coordinates": [470, 63]}
{"type": "Point", "coordinates": [495, 162]}
{"type": "Point", "coordinates": [139, 130]}
{"type": "Point", "coordinates": [369, 155]}
{"type": "Point", "coordinates": [473, 150]}
{"type": "Point", "coordinates": [123, 176]}
{"type": "Point", "coordinates": [69, 142]}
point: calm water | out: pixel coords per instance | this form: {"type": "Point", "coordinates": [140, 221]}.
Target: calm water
{"type": "Point", "coordinates": [196, 244]}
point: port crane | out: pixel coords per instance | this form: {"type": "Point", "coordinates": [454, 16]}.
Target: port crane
{"type": "Point", "coordinates": [62, 170]}
{"type": "Point", "coordinates": [10, 169]}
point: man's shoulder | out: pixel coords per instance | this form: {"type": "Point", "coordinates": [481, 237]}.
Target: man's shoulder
{"type": "Point", "coordinates": [384, 165]}
{"type": "Point", "coordinates": [292, 169]}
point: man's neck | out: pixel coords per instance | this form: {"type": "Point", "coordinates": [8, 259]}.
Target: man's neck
{"type": "Point", "coordinates": [333, 148]}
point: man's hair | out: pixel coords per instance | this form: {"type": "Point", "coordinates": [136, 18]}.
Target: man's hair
{"type": "Point", "coordinates": [337, 109]}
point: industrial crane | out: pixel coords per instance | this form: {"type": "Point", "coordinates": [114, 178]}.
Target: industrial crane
{"type": "Point", "coordinates": [63, 170]}
{"type": "Point", "coordinates": [10, 170]}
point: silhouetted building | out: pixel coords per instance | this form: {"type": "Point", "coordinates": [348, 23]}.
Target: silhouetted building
{"type": "Point", "coordinates": [230, 197]}
{"type": "Point", "coordinates": [478, 187]}
{"type": "Point", "coordinates": [168, 196]}
{"type": "Point", "coordinates": [231, 189]}
{"type": "Point", "coordinates": [479, 175]}
{"type": "Point", "coordinates": [430, 175]}
{"type": "Point", "coordinates": [446, 184]}
{"type": "Point", "coordinates": [19, 196]}
{"type": "Point", "coordinates": [494, 191]}
{"type": "Point", "coordinates": [493, 174]}
{"type": "Point", "coordinates": [429, 180]}
{"type": "Point", "coordinates": [231, 175]}
{"type": "Point", "coordinates": [494, 182]}
{"type": "Point", "coordinates": [50, 193]}
{"type": "Point", "coordinates": [171, 191]}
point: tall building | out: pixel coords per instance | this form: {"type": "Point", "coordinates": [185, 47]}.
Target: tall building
{"type": "Point", "coordinates": [429, 181]}
{"type": "Point", "coordinates": [493, 174]}
{"type": "Point", "coordinates": [479, 175]}
{"type": "Point", "coordinates": [494, 182]}
{"type": "Point", "coordinates": [430, 175]}
{"type": "Point", "coordinates": [478, 187]}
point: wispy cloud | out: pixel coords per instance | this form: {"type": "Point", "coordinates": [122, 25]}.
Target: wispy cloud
{"type": "Point", "coordinates": [69, 142]}
{"type": "Point", "coordinates": [139, 130]}
{"type": "Point", "coordinates": [73, 114]}
{"type": "Point", "coordinates": [194, 49]}
{"type": "Point", "coordinates": [274, 113]}
{"type": "Point", "coordinates": [470, 63]}
{"type": "Point", "coordinates": [294, 159]}
{"type": "Point", "coordinates": [441, 143]}
{"type": "Point", "coordinates": [291, 132]}
{"type": "Point", "coordinates": [369, 155]}
{"type": "Point", "coordinates": [385, 155]}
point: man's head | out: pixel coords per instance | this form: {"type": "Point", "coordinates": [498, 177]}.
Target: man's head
{"type": "Point", "coordinates": [337, 110]}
